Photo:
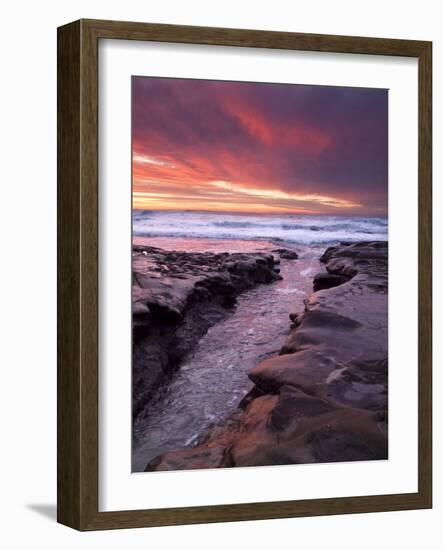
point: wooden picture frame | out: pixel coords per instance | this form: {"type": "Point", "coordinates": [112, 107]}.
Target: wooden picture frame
{"type": "Point", "coordinates": [78, 274]}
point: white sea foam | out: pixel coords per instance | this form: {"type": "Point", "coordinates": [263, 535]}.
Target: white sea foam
{"type": "Point", "coordinates": [296, 229]}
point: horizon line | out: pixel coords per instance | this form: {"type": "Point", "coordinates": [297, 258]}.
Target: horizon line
{"type": "Point", "coordinates": [251, 213]}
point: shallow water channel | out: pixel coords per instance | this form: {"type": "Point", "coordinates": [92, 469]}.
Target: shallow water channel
{"type": "Point", "coordinates": [213, 379]}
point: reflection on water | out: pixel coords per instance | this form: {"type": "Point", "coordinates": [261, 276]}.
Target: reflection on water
{"type": "Point", "coordinates": [197, 244]}
{"type": "Point", "coordinates": [213, 379]}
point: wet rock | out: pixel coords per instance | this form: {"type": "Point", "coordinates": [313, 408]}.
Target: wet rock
{"type": "Point", "coordinates": [293, 405]}
{"type": "Point", "coordinates": [192, 459]}
{"type": "Point", "coordinates": [325, 397]}
{"type": "Point", "coordinates": [250, 396]}
{"type": "Point", "coordinates": [289, 428]}
{"type": "Point", "coordinates": [296, 319]}
{"type": "Point", "coordinates": [310, 369]}
{"type": "Point", "coordinates": [176, 297]}
{"type": "Point", "coordinates": [328, 280]}
{"type": "Point", "coordinates": [286, 253]}
{"type": "Point", "coordinates": [298, 428]}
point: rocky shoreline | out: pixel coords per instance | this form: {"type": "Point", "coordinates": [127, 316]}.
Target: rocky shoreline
{"type": "Point", "coordinates": [324, 398]}
{"type": "Point", "coordinates": [176, 298]}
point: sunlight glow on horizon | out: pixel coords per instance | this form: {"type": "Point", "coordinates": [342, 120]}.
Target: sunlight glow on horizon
{"type": "Point", "coordinates": [221, 195]}
{"type": "Point", "coordinates": [276, 194]}
{"type": "Point", "coordinates": [156, 201]}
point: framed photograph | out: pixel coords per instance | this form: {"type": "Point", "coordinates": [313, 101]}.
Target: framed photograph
{"type": "Point", "coordinates": [244, 274]}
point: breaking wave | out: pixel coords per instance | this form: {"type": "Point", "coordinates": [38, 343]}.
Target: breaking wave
{"type": "Point", "coordinates": [293, 229]}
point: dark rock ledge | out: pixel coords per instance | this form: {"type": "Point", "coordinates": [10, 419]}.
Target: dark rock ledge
{"type": "Point", "coordinates": [176, 297]}
{"type": "Point", "coordinates": [324, 398]}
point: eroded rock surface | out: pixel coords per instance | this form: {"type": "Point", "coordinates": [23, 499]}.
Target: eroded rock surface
{"type": "Point", "coordinates": [325, 397]}
{"type": "Point", "coordinates": [286, 254]}
{"type": "Point", "coordinates": [176, 297]}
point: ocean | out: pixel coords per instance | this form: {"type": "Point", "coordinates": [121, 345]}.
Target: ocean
{"type": "Point", "coordinates": [290, 228]}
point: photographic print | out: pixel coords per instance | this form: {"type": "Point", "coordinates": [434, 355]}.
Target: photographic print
{"type": "Point", "coordinates": [259, 274]}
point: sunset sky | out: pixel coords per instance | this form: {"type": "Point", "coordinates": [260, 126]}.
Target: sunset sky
{"type": "Point", "coordinates": [252, 147]}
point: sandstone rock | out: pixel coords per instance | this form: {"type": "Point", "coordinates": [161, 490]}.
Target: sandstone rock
{"type": "Point", "coordinates": [289, 428]}
{"type": "Point", "coordinates": [328, 280]}
{"type": "Point", "coordinates": [176, 297]}
{"type": "Point", "coordinates": [297, 428]}
{"type": "Point", "coordinates": [191, 459]}
{"type": "Point", "coordinates": [324, 398]}
{"type": "Point", "coordinates": [286, 254]}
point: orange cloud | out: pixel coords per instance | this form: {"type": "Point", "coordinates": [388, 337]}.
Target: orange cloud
{"type": "Point", "coordinates": [273, 133]}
